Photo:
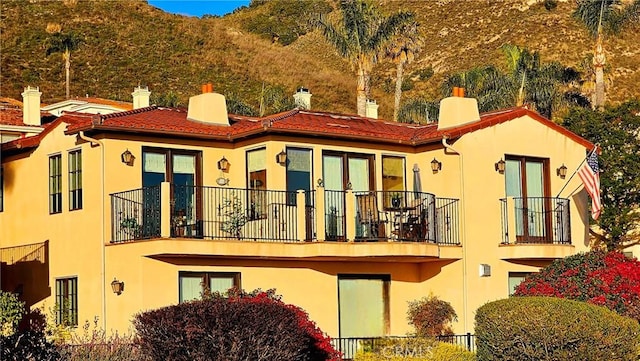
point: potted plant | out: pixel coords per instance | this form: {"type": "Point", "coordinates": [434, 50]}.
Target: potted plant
{"type": "Point", "coordinates": [235, 216]}
{"type": "Point", "coordinates": [396, 199]}
{"type": "Point", "coordinates": [131, 227]}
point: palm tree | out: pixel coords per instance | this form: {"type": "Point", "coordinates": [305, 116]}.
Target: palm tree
{"type": "Point", "coordinates": [64, 43]}
{"type": "Point", "coordinates": [360, 37]}
{"type": "Point", "coordinates": [402, 50]}
{"type": "Point", "coordinates": [600, 16]}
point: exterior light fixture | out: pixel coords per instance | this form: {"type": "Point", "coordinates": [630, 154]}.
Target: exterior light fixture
{"type": "Point", "coordinates": [117, 286]}
{"type": "Point", "coordinates": [436, 165]}
{"type": "Point", "coordinates": [223, 164]}
{"type": "Point", "coordinates": [562, 171]}
{"type": "Point", "coordinates": [281, 158]}
{"type": "Point", "coordinates": [127, 157]}
{"type": "Point", "coordinates": [500, 166]}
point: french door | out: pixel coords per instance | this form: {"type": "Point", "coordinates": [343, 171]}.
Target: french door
{"type": "Point", "coordinates": [181, 168]}
{"type": "Point", "coordinates": [527, 182]}
{"type": "Point", "coordinates": [342, 171]}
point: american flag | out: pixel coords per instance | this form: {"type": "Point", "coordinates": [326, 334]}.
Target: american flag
{"type": "Point", "coordinates": [590, 175]}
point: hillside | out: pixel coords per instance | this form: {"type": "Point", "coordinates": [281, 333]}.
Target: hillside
{"type": "Point", "coordinates": [127, 43]}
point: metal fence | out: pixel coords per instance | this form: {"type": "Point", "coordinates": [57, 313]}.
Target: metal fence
{"type": "Point", "coordinates": [397, 345]}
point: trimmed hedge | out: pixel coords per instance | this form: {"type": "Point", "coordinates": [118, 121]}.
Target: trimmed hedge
{"type": "Point", "coordinates": [548, 328]}
{"type": "Point", "coordinates": [243, 326]}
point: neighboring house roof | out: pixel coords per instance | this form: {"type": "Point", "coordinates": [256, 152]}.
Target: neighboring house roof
{"type": "Point", "coordinates": [173, 122]}
{"type": "Point", "coordinates": [13, 116]}
{"type": "Point", "coordinates": [88, 105]}
{"type": "Point", "coordinates": [27, 143]}
{"type": "Point", "coordinates": [157, 120]}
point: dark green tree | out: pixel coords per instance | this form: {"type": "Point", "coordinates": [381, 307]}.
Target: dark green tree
{"type": "Point", "coordinates": [360, 37]}
{"type": "Point", "coordinates": [617, 131]}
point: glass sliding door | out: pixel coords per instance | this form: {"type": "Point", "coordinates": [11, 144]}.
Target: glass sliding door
{"type": "Point", "coordinates": [363, 305]}
{"type": "Point", "coordinates": [342, 171]}
{"type": "Point", "coordinates": [526, 181]}
{"type": "Point", "coordinates": [257, 181]}
{"type": "Point", "coordinates": [299, 177]}
{"type": "Point", "coordinates": [181, 168]}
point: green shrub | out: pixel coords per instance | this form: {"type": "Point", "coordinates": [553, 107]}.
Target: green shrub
{"type": "Point", "coordinates": [11, 311]}
{"type": "Point", "coordinates": [413, 348]}
{"type": "Point", "coordinates": [548, 328]}
{"type": "Point", "coordinates": [431, 316]}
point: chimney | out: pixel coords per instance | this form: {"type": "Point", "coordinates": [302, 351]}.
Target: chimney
{"type": "Point", "coordinates": [457, 110]}
{"type": "Point", "coordinates": [31, 106]}
{"type": "Point", "coordinates": [208, 107]}
{"type": "Point", "coordinates": [140, 97]}
{"type": "Point", "coordinates": [302, 97]}
{"type": "Point", "coordinates": [371, 109]}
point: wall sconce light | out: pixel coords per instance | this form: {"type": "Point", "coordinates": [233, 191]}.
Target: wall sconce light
{"type": "Point", "coordinates": [223, 164]}
{"type": "Point", "coordinates": [281, 158]}
{"type": "Point", "coordinates": [117, 286]}
{"type": "Point", "coordinates": [562, 171]}
{"type": "Point", "coordinates": [127, 157]}
{"type": "Point", "coordinates": [436, 165]}
{"type": "Point", "coordinates": [500, 166]}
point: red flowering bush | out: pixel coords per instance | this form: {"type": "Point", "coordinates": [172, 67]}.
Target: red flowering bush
{"type": "Point", "coordinates": [605, 279]}
{"type": "Point", "coordinates": [242, 326]}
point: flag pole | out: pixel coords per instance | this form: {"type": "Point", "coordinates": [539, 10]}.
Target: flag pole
{"type": "Point", "coordinates": [595, 148]}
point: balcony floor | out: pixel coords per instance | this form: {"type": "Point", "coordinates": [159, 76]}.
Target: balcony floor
{"type": "Point", "coordinates": [411, 252]}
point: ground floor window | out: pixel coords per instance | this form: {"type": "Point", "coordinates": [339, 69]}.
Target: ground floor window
{"type": "Point", "coordinates": [67, 301]}
{"type": "Point", "coordinates": [363, 305]}
{"type": "Point", "coordinates": [193, 284]}
{"type": "Point", "coordinates": [514, 280]}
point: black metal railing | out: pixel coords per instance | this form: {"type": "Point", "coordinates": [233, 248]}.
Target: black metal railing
{"type": "Point", "coordinates": [247, 214]}
{"type": "Point", "coordinates": [447, 221]}
{"type": "Point", "coordinates": [135, 214]}
{"type": "Point", "coordinates": [395, 215]}
{"type": "Point", "coordinates": [537, 220]}
{"type": "Point", "coordinates": [335, 225]}
{"type": "Point", "coordinates": [400, 346]}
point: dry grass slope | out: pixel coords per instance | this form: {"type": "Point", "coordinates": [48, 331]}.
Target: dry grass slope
{"type": "Point", "coordinates": [129, 43]}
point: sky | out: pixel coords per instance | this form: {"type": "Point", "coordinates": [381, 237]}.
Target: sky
{"type": "Point", "coordinates": [198, 7]}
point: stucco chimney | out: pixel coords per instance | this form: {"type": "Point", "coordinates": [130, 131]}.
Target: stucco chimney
{"type": "Point", "coordinates": [140, 97]}
{"type": "Point", "coordinates": [457, 110]}
{"type": "Point", "coordinates": [302, 97]}
{"type": "Point", "coordinates": [31, 106]}
{"type": "Point", "coordinates": [371, 110]}
{"type": "Point", "coordinates": [208, 107]}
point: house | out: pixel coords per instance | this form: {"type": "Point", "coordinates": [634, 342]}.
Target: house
{"type": "Point", "coordinates": [346, 216]}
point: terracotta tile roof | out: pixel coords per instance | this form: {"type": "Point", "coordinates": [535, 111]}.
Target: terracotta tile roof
{"type": "Point", "coordinates": [169, 121]}
{"type": "Point", "coordinates": [33, 141]}
{"type": "Point", "coordinates": [12, 116]}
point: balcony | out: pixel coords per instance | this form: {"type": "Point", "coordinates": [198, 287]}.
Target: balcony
{"type": "Point", "coordinates": [406, 225]}
{"type": "Point", "coordinates": [535, 228]}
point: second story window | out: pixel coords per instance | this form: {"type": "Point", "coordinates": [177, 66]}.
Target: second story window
{"type": "Point", "coordinates": [75, 180]}
{"type": "Point", "coordinates": [55, 184]}
{"type": "Point", "coordinates": [392, 179]}
{"type": "Point", "coordinates": [257, 169]}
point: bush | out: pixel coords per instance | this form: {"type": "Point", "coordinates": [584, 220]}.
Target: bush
{"type": "Point", "coordinates": [11, 311]}
{"type": "Point", "coordinates": [414, 348]}
{"type": "Point", "coordinates": [548, 328]}
{"type": "Point", "coordinates": [94, 344]}
{"type": "Point", "coordinates": [604, 279]}
{"type": "Point", "coordinates": [431, 316]}
{"type": "Point", "coordinates": [243, 326]}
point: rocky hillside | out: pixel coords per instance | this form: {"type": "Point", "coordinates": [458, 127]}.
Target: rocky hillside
{"type": "Point", "coordinates": [127, 43]}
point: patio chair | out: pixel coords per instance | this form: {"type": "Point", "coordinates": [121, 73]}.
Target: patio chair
{"type": "Point", "coordinates": [369, 216]}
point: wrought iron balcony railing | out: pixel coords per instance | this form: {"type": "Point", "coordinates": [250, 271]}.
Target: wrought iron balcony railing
{"type": "Point", "coordinates": [283, 216]}
{"type": "Point", "coordinates": [535, 220]}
